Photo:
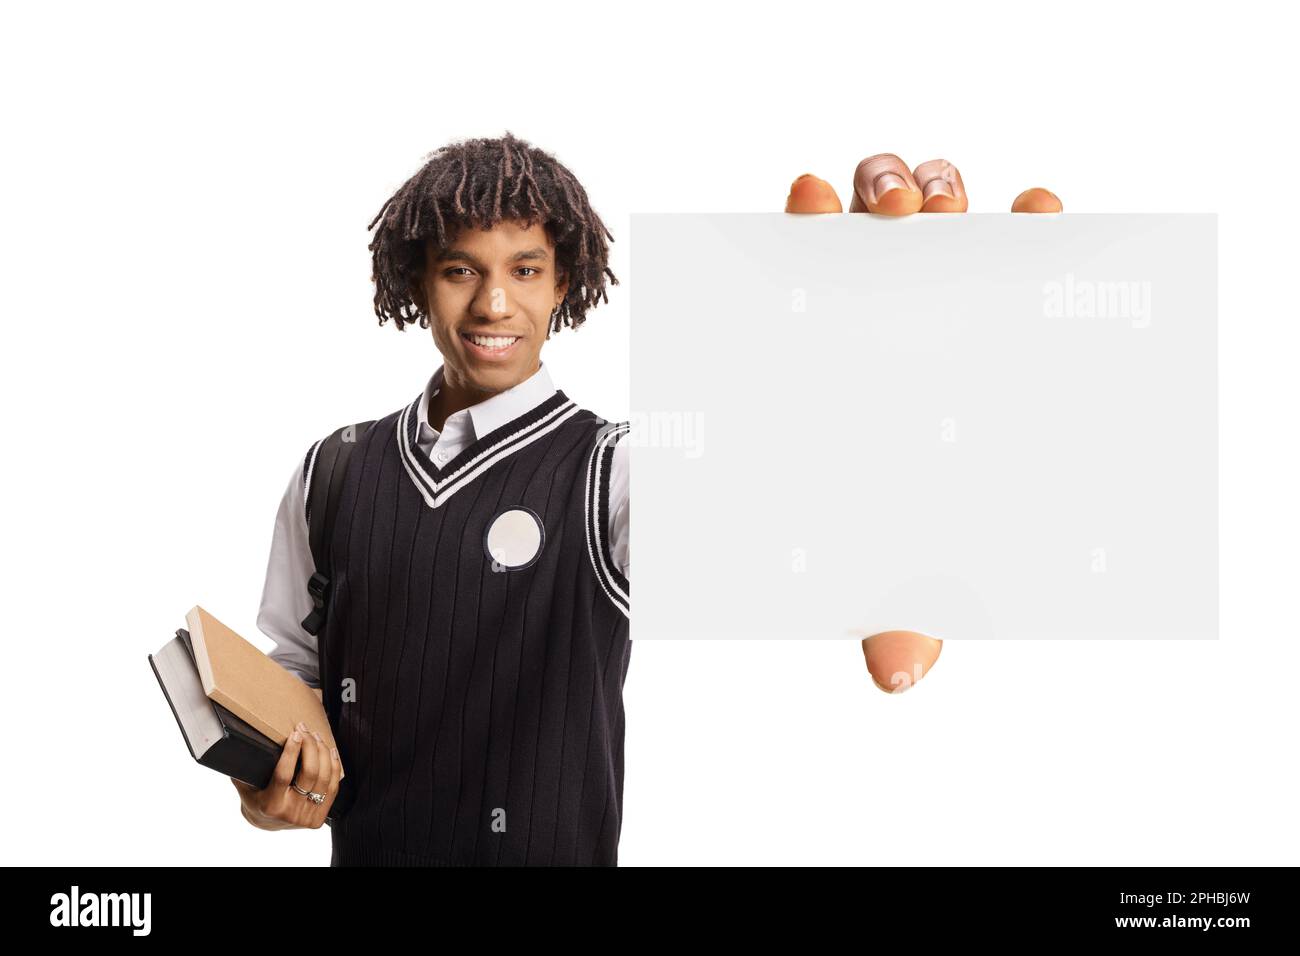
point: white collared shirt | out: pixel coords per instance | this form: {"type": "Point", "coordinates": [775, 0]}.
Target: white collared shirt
{"type": "Point", "coordinates": [285, 602]}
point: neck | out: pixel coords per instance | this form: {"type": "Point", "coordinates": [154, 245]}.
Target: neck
{"type": "Point", "coordinates": [456, 394]}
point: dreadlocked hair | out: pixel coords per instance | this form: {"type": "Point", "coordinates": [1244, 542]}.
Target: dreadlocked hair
{"type": "Point", "coordinates": [480, 183]}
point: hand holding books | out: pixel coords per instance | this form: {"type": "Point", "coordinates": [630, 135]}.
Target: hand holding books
{"type": "Point", "coordinates": [286, 802]}
{"type": "Point", "coordinates": [244, 715]}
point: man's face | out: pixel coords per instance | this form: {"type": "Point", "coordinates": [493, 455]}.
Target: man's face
{"type": "Point", "coordinates": [489, 296]}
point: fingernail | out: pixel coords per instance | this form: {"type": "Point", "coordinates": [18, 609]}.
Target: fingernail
{"type": "Point", "coordinates": [938, 187]}
{"type": "Point", "coordinates": [301, 725]}
{"type": "Point", "coordinates": [886, 182]}
{"type": "Point", "coordinates": [297, 736]}
{"type": "Point", "coordinates": [318, 737]}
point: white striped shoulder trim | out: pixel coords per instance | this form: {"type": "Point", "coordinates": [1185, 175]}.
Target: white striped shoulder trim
{"type": "Point", "coordinates": [612, 580]}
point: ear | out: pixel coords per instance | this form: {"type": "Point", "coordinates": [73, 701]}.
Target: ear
{"type": "Point", "coordinates": [561, 287]}
{"type": "Point", "coordinates": [417, 282]}
{"type": "Point", "coordinates": [417, 294]}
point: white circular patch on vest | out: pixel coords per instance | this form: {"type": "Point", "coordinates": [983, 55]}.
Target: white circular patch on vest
{"type": "Point", "coordinates": [514, 539]}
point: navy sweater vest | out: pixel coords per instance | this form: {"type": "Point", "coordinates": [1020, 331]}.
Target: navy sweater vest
{"type": "Point", "coordinates": [476, 645]}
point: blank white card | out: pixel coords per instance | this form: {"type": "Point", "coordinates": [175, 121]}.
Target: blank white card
{"type": "Point", "coordinates": [973, 426]}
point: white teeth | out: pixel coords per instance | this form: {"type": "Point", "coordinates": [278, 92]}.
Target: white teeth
{"type": "Point", "coordinates": [492, 342]}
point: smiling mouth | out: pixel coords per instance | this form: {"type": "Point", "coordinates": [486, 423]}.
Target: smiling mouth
{"type": "Point", "coordinates": [490, 345]}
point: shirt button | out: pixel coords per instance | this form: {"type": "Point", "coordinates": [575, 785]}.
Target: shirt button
{"type": "Point", "coordinates": [442, 456]}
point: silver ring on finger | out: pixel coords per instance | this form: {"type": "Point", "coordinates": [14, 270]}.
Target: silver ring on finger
{"type": "Point", "coordinates": [312, 795]}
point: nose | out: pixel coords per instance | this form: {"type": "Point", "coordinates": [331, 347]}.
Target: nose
{"type": "Point", "coordinates": [492, 302]}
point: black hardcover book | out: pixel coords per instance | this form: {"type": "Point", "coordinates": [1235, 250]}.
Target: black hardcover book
{"type": "Point", "coordinates": [216, 737]}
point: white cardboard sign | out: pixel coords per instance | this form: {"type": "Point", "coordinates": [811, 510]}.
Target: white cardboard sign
{"type": "Point", "coordinates": [974, 426]}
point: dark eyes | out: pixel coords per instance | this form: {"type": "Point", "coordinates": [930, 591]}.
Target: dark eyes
{"type": "Point", "coordinates": [465, 270]}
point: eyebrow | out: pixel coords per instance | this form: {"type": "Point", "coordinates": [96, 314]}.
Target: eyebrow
{"type": "Point", "coordinates": [460, 255]}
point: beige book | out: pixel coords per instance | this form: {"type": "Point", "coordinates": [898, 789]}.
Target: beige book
{"type": "Point", "coordinates": [250, 685]}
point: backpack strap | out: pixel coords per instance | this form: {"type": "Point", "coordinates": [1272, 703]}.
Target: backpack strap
{"type": "Point", "coordinates": [327, 465]}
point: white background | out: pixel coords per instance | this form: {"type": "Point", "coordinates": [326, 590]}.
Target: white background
{"type": "Point", "coordinates": [187, 306]}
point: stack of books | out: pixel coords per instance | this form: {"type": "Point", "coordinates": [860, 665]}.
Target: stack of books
{"type": "Point", "coordinates": [235, 706]}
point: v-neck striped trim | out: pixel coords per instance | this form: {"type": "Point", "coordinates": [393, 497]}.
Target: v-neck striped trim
{"type": "Point", "coordinates": [436, 485]}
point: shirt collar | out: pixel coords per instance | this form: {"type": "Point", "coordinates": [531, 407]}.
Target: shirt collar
{"type": "Point", "coordinates": [491, 414]}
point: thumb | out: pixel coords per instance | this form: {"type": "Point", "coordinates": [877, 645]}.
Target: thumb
{"type": "Point", "coordinates": [898, 659]}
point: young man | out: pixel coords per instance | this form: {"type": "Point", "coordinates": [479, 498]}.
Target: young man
{"type": "Point", "coordinates": [475, 630]}
{"type": "Point", "coordinates": [475, 635]}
